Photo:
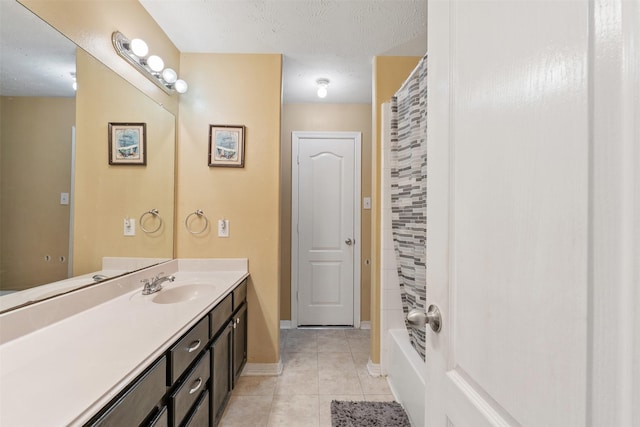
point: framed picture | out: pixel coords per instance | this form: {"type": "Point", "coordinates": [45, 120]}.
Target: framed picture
{"type": "Point", "coordinates": [127, 143]}
{"type": "Point", "coordinates": [226, 146]}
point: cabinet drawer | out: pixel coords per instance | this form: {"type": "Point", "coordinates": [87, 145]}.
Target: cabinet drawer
{"type": "Point", "coordinates": [135, 405]}
{"type": "Point", "coordinates": [220, 315]}
{"type": "Point", "coordinates": [187, 349]}
{"type": "Point", "coordinates": [239, 295]}
{"type": "Point", "coordinates": [200, 415]}
{"type": "Point", "coordinates": [183, 398]}
{"type": "Point", "coordinates": [161, 419]}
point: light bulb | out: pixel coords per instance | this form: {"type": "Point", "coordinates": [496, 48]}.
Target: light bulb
{"type": "Point", "coordinates": [181, 86]}
{"type": "Point", "coordinates": [322, 87]}
{"type": "Point", "coordinates": [155, 63]}
{"type": "Point", "coordinates": [139, 48]}
{"type": "Point", "coordinates": [169, 75]}
{"type": "Point", "coordinates": [75, 85]}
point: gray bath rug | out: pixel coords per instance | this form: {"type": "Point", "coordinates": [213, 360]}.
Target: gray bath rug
{"type": "Point", "coordinates": [368, 414]}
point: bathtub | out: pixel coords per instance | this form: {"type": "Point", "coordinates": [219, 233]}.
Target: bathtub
{"type": "Point", "coordinates": [406, 375]}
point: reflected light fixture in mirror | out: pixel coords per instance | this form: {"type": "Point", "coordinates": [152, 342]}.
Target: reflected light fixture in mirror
{"type": "Point", "coordinates": [152, 67]}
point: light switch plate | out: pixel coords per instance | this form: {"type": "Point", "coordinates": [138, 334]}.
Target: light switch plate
{"type": "Point", "coordinates": [366, 203]}
{"type": "Point", "coordinates": [64, 198]}
{"type": "Point", "coordinates": [129, 227]}
{"type": "Point", "coordinates": [223, 228]}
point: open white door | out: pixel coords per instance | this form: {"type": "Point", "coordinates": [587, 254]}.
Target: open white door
{"type": "Point", "coordinates": [532, 226]}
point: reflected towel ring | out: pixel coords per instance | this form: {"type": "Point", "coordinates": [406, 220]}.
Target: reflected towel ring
{"type": "Point", "coordinates": [154, 213]}
{"type": "Point", "coordinates": [200, 214]}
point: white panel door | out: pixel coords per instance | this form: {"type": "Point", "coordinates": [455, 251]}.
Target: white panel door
{"type": "Point", "coordinates": [326, 238]}
{"type": "Point", "coordinates": [508, 213]}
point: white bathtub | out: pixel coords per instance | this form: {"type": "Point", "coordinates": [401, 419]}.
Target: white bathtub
{"type": "Point", "coordinates": [406, 375]}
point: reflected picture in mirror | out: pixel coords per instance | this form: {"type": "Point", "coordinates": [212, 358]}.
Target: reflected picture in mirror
{"type": "Point", "coordinates": [62, 205]}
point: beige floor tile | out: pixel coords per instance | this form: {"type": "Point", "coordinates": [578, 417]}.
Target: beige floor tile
{"type": "Point", "coordinates": [320, 365]}
{"type": "Point", "coordinates": [255, 386]}
{"type": "Point", "coordinates": [331, 333]}
{"type": "Point", "coordinates": [336, 361]}
{"type": "Point", "coordinates": [332, 343]}
{"type": "Point", "coordinates": [305, 361]}
{"type": "Point", "coordinates": [358, 333]}
{"type": "Point", "coordinates": [360, 358]}
{"type": "Point", "coordinates": [294, 411]}
{"type": "Point", "coordinates": [297, 382]}
{"type": "Point", "coordinates": [301, 343]}
{"type": "Point", "coordinates": [237, 415]}
{"type": "Point", "coordinates": [359, 344]}
{"type": "Point", "coordinates": [373, 385]}
{"type": "Point", "coordinates": [379, 398]}
{"type": "Point", "coordinates": [324, 401]}
{"type": "Point", "coordinates": [331, 381]}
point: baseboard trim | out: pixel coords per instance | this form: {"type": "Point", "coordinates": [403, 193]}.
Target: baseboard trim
{"type": "Point", "coordinates": [365, 324]}
{"type": "Point", "coordinates": [373, 369]}
{"type": "Point", "coordinates": [262, 369]}
{"type": "Point", "coordinates": [285, 324]}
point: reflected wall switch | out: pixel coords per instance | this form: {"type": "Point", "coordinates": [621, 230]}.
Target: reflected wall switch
{"type": "Point", "coordinates": [64, 198]}
{"type": "Point", "coordinates": [129, 227]}
{"type": "Point", "coordinates": [223, 228]}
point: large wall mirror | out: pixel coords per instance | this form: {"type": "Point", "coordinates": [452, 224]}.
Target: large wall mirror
{"type": "Point", "coordinates": [63, 206]}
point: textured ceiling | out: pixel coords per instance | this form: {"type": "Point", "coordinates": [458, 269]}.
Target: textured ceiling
{"type": "Point", "coordinates": [35, 60]}
{"type": "Point", "coordinates": [334, 39]}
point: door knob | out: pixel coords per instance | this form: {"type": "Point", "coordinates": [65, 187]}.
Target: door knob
{"type": "Point", "coordinates": [349, 242]}
{"type": "Point", "coordinates": [419, 318]}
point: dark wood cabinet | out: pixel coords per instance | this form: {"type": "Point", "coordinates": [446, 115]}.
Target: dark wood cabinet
{"type": "Point", "coordinates": [191, 383]}
{"type": "Point", "coordinates": [221, 382]}
{"type": "Point", "coordinates": [239, 341]}
{"type": "Point", "coordinates": [139, 400]}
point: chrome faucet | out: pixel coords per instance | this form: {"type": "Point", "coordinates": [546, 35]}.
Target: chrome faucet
{"type": "Point", "coordinates": [154, 285]}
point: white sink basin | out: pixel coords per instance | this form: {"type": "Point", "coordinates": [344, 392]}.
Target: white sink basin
{"type": "Point", "coordinates": [173, 295]}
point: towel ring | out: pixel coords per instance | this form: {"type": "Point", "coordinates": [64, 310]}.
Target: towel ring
{"type": "Point", "coordinates": [155, 214]}
{"type": "Point", "coordinates": [200, 214]}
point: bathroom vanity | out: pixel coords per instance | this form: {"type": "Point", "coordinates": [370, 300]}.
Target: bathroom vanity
{"type": "Point", "coordinates": [170, 358]}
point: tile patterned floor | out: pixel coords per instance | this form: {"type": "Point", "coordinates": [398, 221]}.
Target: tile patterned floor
{"type": "Point", "coordinates": [320, 365]}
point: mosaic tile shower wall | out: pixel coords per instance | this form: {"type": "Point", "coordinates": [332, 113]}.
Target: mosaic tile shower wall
{"type": "Point", "coordinates": [409, 194]}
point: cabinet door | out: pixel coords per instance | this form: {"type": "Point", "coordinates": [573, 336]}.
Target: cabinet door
{"type": "Point", "coordinates": [140, 399]}
{"type": "Point", "coordinates": [239, 341]}
{"type": "Point", "coordinates": [220, 373]}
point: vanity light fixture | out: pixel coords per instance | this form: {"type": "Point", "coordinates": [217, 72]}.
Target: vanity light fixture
{"type": "Point", "coordinates": [322, 87]}
{"type": "Point", "coordinates": [152, 67]}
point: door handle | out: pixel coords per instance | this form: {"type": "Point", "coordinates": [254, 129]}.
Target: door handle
{"type": "Point", "coordinates": [419, 318]}
{"type": "Point", "coordinates": [349, 242]}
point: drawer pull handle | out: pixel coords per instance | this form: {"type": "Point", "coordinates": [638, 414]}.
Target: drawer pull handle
{"type": "Point", "coordinates": [194, 346]}
{"type": "Point", "coordinates": [197, 385]}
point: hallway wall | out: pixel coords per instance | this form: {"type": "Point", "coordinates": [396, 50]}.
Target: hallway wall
{"type": "Point", "coordinates": [324, 117]}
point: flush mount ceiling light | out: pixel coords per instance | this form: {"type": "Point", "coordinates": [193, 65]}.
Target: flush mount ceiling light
{"type": "Point", "coordinates": [323, 84]}
{"type": "Point", "coordinates": [152, 67]}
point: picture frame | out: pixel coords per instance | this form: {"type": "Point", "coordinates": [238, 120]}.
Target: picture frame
{"type": "Point", "coordinates": [226, 146]}
{"type": "Point", "coordinates": [127, 144]}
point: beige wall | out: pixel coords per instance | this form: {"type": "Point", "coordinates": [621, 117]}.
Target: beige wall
{"type": "Point", "coordinates": [106, 194]}
{"type": "Point", "coordinates": [90, 24]}
{"type": "Point", "coordinates": [324, 117]}
{"type": "Point", "coordinates": [389, 72]}
{"type": "Point", "coordinates": [235, 90]}
{"type": "Point", "coordinates": [35, 142]}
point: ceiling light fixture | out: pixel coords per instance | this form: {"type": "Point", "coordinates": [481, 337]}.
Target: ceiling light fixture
{"type": "Point", "coordinates": [152, 67]}
{"type": "Point", "coordinates": [323, 84]}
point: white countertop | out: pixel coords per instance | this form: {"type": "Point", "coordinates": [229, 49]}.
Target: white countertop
{"type": "Point", "coordinates": [66, 372]}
